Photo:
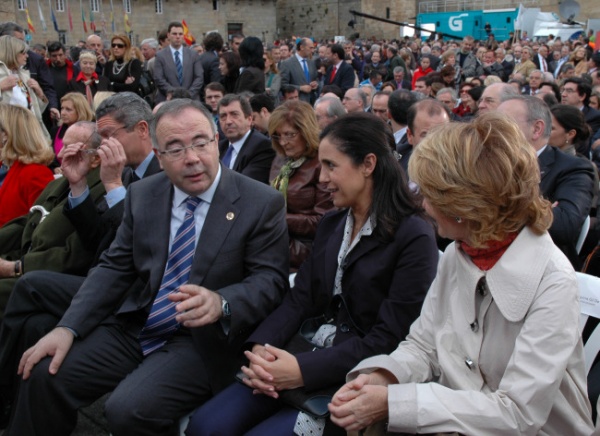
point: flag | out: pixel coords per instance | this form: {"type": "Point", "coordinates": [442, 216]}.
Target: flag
{"type": "Point", "coordinates": [187, 35]}
{"type": "Point", "coordinates": [92, 23]}
{"type": "Point", "coordinates": [103, 22]}
{"type": "Point", "coordinates": [42, 19]}
{"type": "Point", "coordinates": [112, 18]}
{"type": "Point", "coordinates": [70, 17]}
{"type": "Point", "coordinates": [53, 18]}
{"type": "Point", "coordinates": [83, 17]}
{"type": "Point", "coordinates": [126, 23]}
{"type": "Point", "coordinates": [29, 22]}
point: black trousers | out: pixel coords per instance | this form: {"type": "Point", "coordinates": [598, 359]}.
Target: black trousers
{"type": "Point", "coordinates": [38, 301]}
{"type": "Point", "coordinates": [149, 396]}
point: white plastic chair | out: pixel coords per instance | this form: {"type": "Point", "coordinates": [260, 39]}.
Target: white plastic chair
{"type": "Point", "coordinates": [582, 235]}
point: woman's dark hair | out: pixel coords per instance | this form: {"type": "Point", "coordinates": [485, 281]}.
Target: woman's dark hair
{"type": "Point", "coordinates": [251, 52]}
{"type": "Point", "coordinates": [359, 134]}
{"type": "Point", "coordinates": [233, 62]}
{"type": "Point", "coordinates": [571, 118]}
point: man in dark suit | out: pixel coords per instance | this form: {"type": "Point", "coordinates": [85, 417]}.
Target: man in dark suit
{"type": "Point", "coordinates": [339, 73]}
{"type": "Point", "coordinates": [244, 149]}
{"type": "Point", "coordinates": [576, 92]}
{"type": "Point", "coordinates": [167, 72]}
{"type": "Point", "coordinates": [213, 44]}
{"type": "Point", "coordinates": [236, 277]}
{"type": "Point", "coordinates": [566, 181]}
{"type": "Point", "coordinates": [300, 71]}
{"type": "Point", "coordinates": [93, 206]}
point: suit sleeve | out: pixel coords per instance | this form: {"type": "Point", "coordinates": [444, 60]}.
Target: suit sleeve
{"type": "Point", "coordinates": [160, 79]}
{"type": "Point", "coordinates": [258, 165]}
{"type": "Point", "coordinates": [347, 81]}
{"type": "Point", "coordinates": [215, 73]}
{"type": "Point", "coordinates": [107, 283]}
{"type": "Point", "coordinates": [286, 76]}
{"type": "Point", "coordinates": [266, 264]}
{"type": "Point", "coordinates": [574, 191]}
{"type": "Point", "coordinates": [44, 78]}
{"type": "Point", "coordinates": [198, 82]}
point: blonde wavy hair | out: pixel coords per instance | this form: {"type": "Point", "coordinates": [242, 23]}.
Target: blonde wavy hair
{"type": "Point", "coordinates": [128, 55]}
{"type": "Point", "coordinates": [301, 116]}
{"type": "Point", "coordinates": [25, 140]}
{"type": "Point", "coordinates": [484, 172]}
{"type": "Point", "coordinates": [80, 104]}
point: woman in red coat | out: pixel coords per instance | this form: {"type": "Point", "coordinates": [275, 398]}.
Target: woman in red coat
{"type": "Point", "coordinates": [27, 153]}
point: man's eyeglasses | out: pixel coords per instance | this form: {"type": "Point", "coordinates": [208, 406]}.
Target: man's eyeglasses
{"type": "Point", "coordinates": [287, 136]}
{"type": "Point", "coordinates": [198, 147]}
{"type": "Point", "coordinates": [114, 45]}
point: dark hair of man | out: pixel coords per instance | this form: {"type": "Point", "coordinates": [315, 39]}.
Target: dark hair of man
{"type": "Point", "coordinates": [75, 52]}
{"type": "Point", "coordinates": [424, 80]}
{"type": "Point", "coordinates": [550, 100]}
{"type": "Point", "coordinates": [338, 50]}
{"type": "Point", "coordinates": [162, 35]}
{"type": "Point", "coordinates": [398, 104]}
{"type": "Point", "coordinates": [582, 88]}
{"type": "Point", "coordinates": [9, 28]}
{"type": "Point", "coordinates": [555, 88]}
{"type": "Point", "coordinates": [334, 89]}
{"type": "Point", "coordinates": [213, 42]}
{"type": "Point", "coordinates": [173, 24]}
{"type": "Point", "coordinates": [244, 103]}
{"type": "Point", "coordinates": [259, 101]}
{"type": "Point", "coordinates": [393, 49]}
{"type": "Point", "coordinates": [54, 46]}
{"type": "Point", "coordinates": [176, 107]}
{"type": "Point", "coordinates": [125, 108]}
{"type": "Point", "coordinates": [178, 93]}
{"type": "Point", "coordinates": [374, 74]}
{"type": "Point", "coordinates": [359, 134]}
{"type": "Point", "coordinates": [216, 86]}
{"type": "Point", "coordinates": [251, 53]}
{"type": "Point", "coordinates": [430, 106]}
{"type": "Point", "coordinates": [287, 89]}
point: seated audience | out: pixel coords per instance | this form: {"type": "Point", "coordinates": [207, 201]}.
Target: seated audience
{"type": "Point", "coordinates": [497, 348]}
{"type": "Point", "coordinates": [295, 173]}
{"type": "Point", "coordinates": [371, 264]}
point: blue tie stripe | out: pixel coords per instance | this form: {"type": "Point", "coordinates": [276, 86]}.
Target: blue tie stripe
{"type": "Point", "coordinates": [161, 322]}
{"type": "Point", "coordinates": [179, 67]}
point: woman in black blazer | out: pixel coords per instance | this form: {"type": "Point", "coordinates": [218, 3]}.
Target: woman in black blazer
{"type": "Point", "coordinates": [371, 265]}
{"type": "Point", "coordinates": [252, 77]}
{"type": "Point", "coordinates": [123, 70]}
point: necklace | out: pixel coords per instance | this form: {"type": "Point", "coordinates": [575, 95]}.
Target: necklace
{"type": "Point", "coordinates": [118, 67]}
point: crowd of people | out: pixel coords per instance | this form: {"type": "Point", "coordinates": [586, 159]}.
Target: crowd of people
{"type": "Point", "coordinates": [302, 237]}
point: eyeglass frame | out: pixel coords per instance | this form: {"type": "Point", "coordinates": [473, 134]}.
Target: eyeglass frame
{"type": "Point", "coordinates": [172, 154]}
{"type": "Point", "coordinates": [288, 136]}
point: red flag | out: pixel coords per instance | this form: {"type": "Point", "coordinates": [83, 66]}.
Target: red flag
{"type": "Point", "coordinates": [187, 35]}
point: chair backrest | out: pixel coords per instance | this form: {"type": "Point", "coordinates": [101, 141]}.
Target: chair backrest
{"type": "Point", "coordinates": [582, 235]}
{"type": "Point", "coordinates": [589, 299]}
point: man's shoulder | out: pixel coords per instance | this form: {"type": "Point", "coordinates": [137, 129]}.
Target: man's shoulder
{"type": "Point", "coordinates": [252, 192]}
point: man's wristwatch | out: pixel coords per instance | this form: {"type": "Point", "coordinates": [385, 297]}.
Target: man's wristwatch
{"type": "Point", "coordinates": [225, 308]}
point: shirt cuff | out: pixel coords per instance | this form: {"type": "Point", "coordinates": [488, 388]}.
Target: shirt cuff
{"type": "Point", "coordinates": [115, 196]}
{"type": "Point", "coordinates": [76, 201]}
{"type": "Point", "coordinates": [402, 408]}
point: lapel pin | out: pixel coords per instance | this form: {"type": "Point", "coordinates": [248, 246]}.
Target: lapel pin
{"type": "Point", "coordinates": [230, 216]}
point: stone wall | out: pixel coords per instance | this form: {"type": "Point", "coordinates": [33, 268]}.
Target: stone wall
{"type": "Point", "coordinates": [256, 16]}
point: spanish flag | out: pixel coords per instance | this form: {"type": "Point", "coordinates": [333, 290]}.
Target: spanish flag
{"type": "Point", "coordinates": [187, 35]}
{"type": "Point", "coordinates": [29, 22]}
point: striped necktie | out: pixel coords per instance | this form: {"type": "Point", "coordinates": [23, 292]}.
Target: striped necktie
{"type": "Point", "coordinates": [179, 67]}
{"type": "Point", "coordinates": [161, 323]}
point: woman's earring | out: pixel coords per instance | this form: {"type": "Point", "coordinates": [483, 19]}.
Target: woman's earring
{"type": "Point", "coordinates": [458, 219]}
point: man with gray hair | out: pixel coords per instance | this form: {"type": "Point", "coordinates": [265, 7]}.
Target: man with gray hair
{"type": "Point", "coordinates": [328, 109]}
{"type": "Point", "coordinates": [495, 94]}
{"type": "Point", "coordinates": [149, 46]}
{"type": "Point", "coordinates": [566, 181]}
{"type": "Point", "coordinates": [161, 321]}
{"type": "Point", "coordinates": [355, 100]}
